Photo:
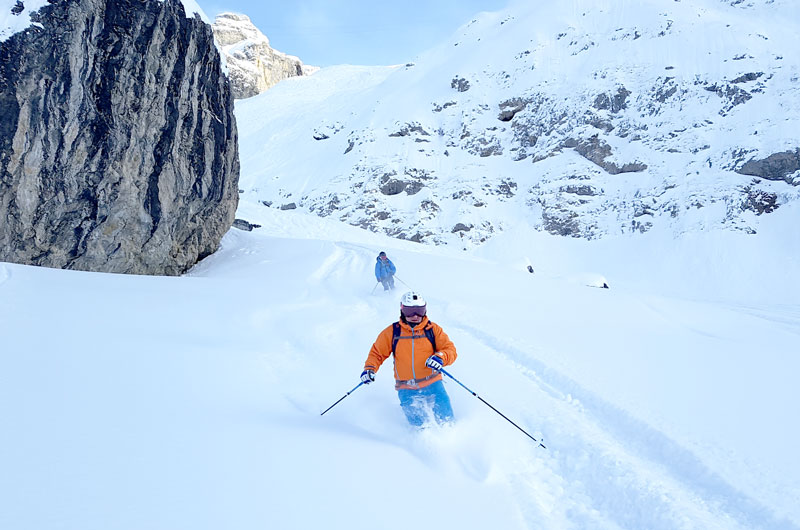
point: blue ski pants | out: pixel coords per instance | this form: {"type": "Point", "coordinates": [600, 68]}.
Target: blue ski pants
{"type": "Point", "coordinates": [388, 282]}
{"type": "Point", "coordinates": [418, 404]}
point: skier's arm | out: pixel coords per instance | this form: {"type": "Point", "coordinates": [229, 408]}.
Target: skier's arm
{"type": "Point", "coordinates": [380, 351]}
{"type": "Point", "coordinates": [444, 346]}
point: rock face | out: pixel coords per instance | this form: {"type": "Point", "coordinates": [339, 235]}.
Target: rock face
{"type": "Point", "coordinates": [118, 145]}
{"type": "Point", "coordinates": [253, 65]}
{"type": "Point", "coordinates": [778, 166]}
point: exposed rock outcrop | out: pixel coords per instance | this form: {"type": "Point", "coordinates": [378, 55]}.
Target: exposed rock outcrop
{"type": "Point", "coordinates": [778, 166]}
{"type": "Point", "coordinates": [253, 66]}
{"type": "Point", "coordinates": [118, 145]}
{"type": "Point", "coordinates": [597, 151]}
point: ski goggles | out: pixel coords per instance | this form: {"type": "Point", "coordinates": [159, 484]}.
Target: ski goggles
{"type": "Point", "coordinates": [414, 310]}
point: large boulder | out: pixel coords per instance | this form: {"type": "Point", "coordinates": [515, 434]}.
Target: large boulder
{"type": "Point", "coordinates": [118, 143]}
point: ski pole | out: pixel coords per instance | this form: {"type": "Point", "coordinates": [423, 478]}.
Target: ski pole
{"type": "Point", "coordinates": [373, 289]}
{"type": "Point", "coordinates": [401, 281]}
{"type": "Point", "coordinates": [341, 398]}
{"type": "Point", "coordinates": [494, 409]}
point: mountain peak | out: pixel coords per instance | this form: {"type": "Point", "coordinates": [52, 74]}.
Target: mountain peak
{"type": "Point", "coordinates": [234, 28]}
{"type": "Point", "coordinates": [253, 65]}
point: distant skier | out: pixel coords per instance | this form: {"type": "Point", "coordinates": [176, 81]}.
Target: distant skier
{"type": "Point", "coordinates": [421, 348]}
{"type": "Point", "coordinates": [384, 271]}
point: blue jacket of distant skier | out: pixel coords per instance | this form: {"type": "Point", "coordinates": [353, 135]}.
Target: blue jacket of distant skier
{"type": "Point", "coordinates": [384, 269]}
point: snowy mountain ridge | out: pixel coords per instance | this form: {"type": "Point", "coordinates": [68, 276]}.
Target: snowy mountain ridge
{"type": "Point", "coordinates": [587, 120]}
{"type": "Point", "coordinates": [253, 65]}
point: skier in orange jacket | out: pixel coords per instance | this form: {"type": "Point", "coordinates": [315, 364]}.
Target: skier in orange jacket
{"type": "Point", "coordinates": [421, 348]}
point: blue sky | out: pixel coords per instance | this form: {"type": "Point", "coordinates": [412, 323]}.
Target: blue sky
{"type": "Point", "coordinates": [328, 32]}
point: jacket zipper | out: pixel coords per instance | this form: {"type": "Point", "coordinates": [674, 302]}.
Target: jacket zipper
{"type": "Point", "coordinates": [413, 371]}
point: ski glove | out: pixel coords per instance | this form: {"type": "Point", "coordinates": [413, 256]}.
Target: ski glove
{"type": "Point", "coordinates": [367, 376]}
{"type": "Point", "coordinates": [434, 362]}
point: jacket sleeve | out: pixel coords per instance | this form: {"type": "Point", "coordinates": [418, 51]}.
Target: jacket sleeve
{"type": "Point", "coordinates": [380, 351]}
{"type": "Point", "coordinates": [392, 268]}
{"type": "Point", "coordinates": [377, 271]}
{"type": "Point", "coordinates": [444, 346]}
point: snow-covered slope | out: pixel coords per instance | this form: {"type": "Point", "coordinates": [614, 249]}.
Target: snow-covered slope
{"type": "Point", "coordinates": [578, 118]}
{"type": "Point", "coordinates": [135, 402]}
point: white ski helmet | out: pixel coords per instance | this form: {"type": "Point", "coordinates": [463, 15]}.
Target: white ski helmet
{"type": "Point", "coordinates": [412, 299]}
{"type": "Point", "coordinates": [412, 304]}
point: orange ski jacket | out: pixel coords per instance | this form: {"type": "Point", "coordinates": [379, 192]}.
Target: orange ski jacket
{"type": "Point", "coordinates": [412, 350]}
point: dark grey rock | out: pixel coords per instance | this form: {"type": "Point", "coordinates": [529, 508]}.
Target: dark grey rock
{"type": "Point", "coordinates": [507, 188]}
{"type": "Point", "coordinates": [393, 187]}
{"type": "Point", "coordinates": [760, 201]}
{"type": "Point", "coordinates": [583, 190]}
{"type": "Point", "coordinates": [733, 96]}
{"type": "Point", "coordinates": [289, 206]}
{"type": "Point", "coordinates": [117, 140]}
{"type": "Point", "coordinates": [664, 90]}
{"type": "Point", "coordinates": [510, 108]}
{"type": "Point", "coordinates": [778, 166]}
{"type": "Point", "coordinates": [460, 84]}
{"type": "Point", "coordinates": [330, 204]}
{"type": "Point", "coordinates": [411, 185]}
{"type": "Point", "coordinates": [429, 207]}
{"type": "Point", "coordinates": [414, 187]}
{"type": "Point", "coordinates": [440, 108]}
{"type": "Point", "coordinates": [493, 149]}
{"type": "Point", "coordinates": [483, 146]}
{"type": "Point", "coordinates": [417, 173]}
{"type": "Point", "coordinates": [390, 186]}
{"type": "Point", "coordinates": [560, 222]}
{"type": "Point", "coordinates": [408, 129]}
{"type": "Point", "coordinates": [614, 103]}
{"type": "Point", "coordinates": [746, 78]}
{"type": "Point", "coordinates": [241, 224]}
{"type": "Point", "coordinates": [596, 150]}
{"type": "Point", "coordinates": [603, 125]}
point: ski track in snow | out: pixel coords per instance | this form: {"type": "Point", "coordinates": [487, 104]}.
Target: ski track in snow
{"type": "Point", "coordinates": [633, 468]}
{"type": "Point", "coordinates": [788, 316]}
{"type": "Point", "coordinates": [617, 463]}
